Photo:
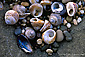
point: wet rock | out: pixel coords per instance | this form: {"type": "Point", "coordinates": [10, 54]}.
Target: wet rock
{"type": "Point", "coordinates": [24, 20]}
{"type": "Point", "coordinates": [60, 36]}
{"type": "Point", "coordinates": [82, 11]}
{"type": "Point", "coordinates": [69, 19]}
{"type": "Point", "coordinates": [63, 28]}
{"type": "Point", "coordinates": [44, 47]}
{"type": "Point", "coordinates": [49, 51]}
{"type": "Point", "coordinates": [18, 31]}
{"type": "Point", "coordinates": [68, 35]}
{"type": "Point", "coordinates": [55, 45]}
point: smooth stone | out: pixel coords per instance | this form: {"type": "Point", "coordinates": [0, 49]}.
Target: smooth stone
{"type": "Point", "coordinates": [44, 47]}
{"type": "Point", "coordinates": [68, 35]}
{"type": "Point", "coordinates": [63, 28]}
{"type": "Point", "coordinates": [60, 36]}
{"type": "Point", "coordinates": [69, 19]}
{"type": "Point", "coordinates": [75, 22]}
{"type": "Point", "coordinates": [68, 25]}
{"type": "Point", "coordinates": [18, 31]}
{"type": "Point", "coordinates": [55, 45]}
{"type": "Point", "coordinates": [65, 1]}
{"type": "Point", "coordinates": [54, 50]}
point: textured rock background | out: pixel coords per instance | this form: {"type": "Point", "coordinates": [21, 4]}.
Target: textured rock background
{"type": "Point", "coordinates": [9, 48]}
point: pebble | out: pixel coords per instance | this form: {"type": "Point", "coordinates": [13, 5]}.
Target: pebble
{"type": "Point", "coordinates": [65, 1]}
{"type": "Point", "coordinates": [18, 31]}
{"type": "Point", "coordinates": [25, 4]}
{"type": "Point", "coordinates": [75, 22]}
{"type": "Point", "coordinates": [68, 35]}
{"type": "Point", "coordinates": [82, 11]}
{"type": "Point", "coordinates": [68, 25]}
{"type": "Point", "coordinates": [49, 51]}
{"type": "Point", "coordinates": [69, 19]}
{"type": "Point", "coordinates": [38, 34]}
{"type": "Point", "coordinates": [55, 28]}
{"type": "Point", "coordinates": [11, 5]}
{"type": "Point", "coordinates": [39, 41]}
{"type": "Point", "coordinates": [23, 31]}
{"type": "Point", "coordinates": [65, 22]}
{"type": "Point", "coordinates": [55, 45]}
{"type": "Point", "coordinates": [79, 20]}
{"type": "Point", "coordinates": [44, 47]}
{"type": "Point", "coordinates": [60, 36]}
{"type": "Point", "coordinates": [24, 20]}
{"type": "Point", "coordinates": [54, 50]}
{"type": "Point", "coordinates": [63, 27]}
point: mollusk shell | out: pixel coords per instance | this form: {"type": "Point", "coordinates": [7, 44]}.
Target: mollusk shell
{"type": "Point", "coordinates": [36, 9]}
{"type": "Point", "coordinates": [46, 26]}
{"type": "Point", "coordinates": [36, 23]}
{"type": "Point", "coordinates": [11, 17]}
{"type": "Point", "coordinates": [57, 7]}
{"type": "Point", "coordinates": [49, 36]}
{"type": "Point", "coordinates": [24, 44]}
{"type": "Point", "coordinates": [71, 8]}
{"type": "Point", "coordinates": [30, 33]}
{"type": "Point", "coordinates": [33, 1]}
{"type": "Point", "coordinates": [55, 19]}
{"type": "Point", "coordinates": [45, 2]}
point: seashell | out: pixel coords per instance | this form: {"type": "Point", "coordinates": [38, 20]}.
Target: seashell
{"type": "Point", "coordinates": [39, 41]}
{"type": "Point", "coordinates": [49, 51]}
{"type": "Point", "coordinates": [36, 23]}
{"type": "Point", "coordinates": [24, 44]}
{"type": "Point", "coordinates": [25, 4]}
{"type": "Point", "coordinates": [33, 1]}
{"type": "Point", "coordinates": [58, 7]}
{"type": "Point", "coordinates": [45, 2]}
{"type": "Point", "coordinates": [71, 8]}
{"type": "Point", "coordinates": [55, 19]}
{"type": "Point", "coordinates": [21, 10]}
{"type": "Point", "coordinates": [30, 33]}
{"type": "Point", "coordinates": [46, 26]}
{"type": "Point", "coordinates": [49, 36]}
{"type": "Point", "coordinates": [11, 17]}
{"type": "Point", "coordinates": [65, 1]}
{"type": "Point", "coordinates": [36, 9]}
{"type": "Point", "coordinates": [1, 5]}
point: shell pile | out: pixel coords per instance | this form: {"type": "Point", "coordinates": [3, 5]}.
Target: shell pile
{"type": "Point", "coordinates": [44, 24]}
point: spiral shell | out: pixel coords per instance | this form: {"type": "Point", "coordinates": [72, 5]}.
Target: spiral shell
{"type": "Point", "coordinates": [55, 19]}
{"type": "Point", "coordinates": [49, 36]}
{"type": "Point", "coordinates": [36, 23]}
{"type": "Point", "coordinates": [71, 8]}
{"type": "Point", "coordinates": [45, 26]}
{"type": "Point", "coordinates": [36, 9]}
{"type": "Point", "coordinates": [33, 1]}
{"type": "Point", "coordinates": [11, 17]}
{"type": "Point", "coordinates": [45, 2]}
{"type": "Point", "coordinates": [30, 33]}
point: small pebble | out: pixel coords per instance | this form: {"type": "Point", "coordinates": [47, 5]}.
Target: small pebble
{"type": "Point", "coordinates": [79, 13]}
{"type": "Point", "coordinates": [82, 11]}
{"type": "Point", "coordinates": [24, 20]}
{"type": "Point", "coordinates": [39, 41]}
{"type": "Point", "coordinates": [68, 25]}
{"type": "Point", "coordinates": [75, 22]}
{"type": "Point", "coordinates": [63, 27]}
{"type": "Point", "coordinates": [49, 51]}
{"type": "Point", "coordinates": [79, 20]}
{"type": "Point", "coordinates": [18, 31]}
{"type": "Point", "coordinates": [60, 36]}
{"type": "Point", "coordinates": [23, 31]}
{"type": "Point", "coordinates": [54, 50]}
{"type": "Point", "coordinates": [25, 4]}
{"type": "Point", "coordinates": [55, 45]}
{"type": "Point", "coordinates": [65, 22]}
{"type": "Point", "coordinates": [44, 47]}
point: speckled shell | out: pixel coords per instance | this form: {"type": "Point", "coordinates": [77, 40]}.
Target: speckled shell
{"type": "Point", "coordinates": [49, 36]}
{"type": "Point", "coordinates": [45, 2]}
{"type": "Point", "coordinates": [55, 9]}
{"type": "Point", "coordinates": [11, 17]}
{"type": "Point", "coordinates": [1, 5]}
{"type": "Point", "coordinates": [33, 1]}
{"type": "Point", "coordinates": [46, 26]}
{"type": "Point", "coordinates": [36, 9]}
{"type": "Point", "coordinates": [36, 23]}
{"type": "Point", "coordinates": [71, 8]}
{"type": "Point", "coordinates": [30, 33]}
{"type": "Point", "coordinates": [55, 19]}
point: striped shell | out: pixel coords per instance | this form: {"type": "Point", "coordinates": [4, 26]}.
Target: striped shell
{"type": "Point", "coordinates": [11, 17]}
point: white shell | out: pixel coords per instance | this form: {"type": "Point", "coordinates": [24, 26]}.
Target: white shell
{"type": "Point", "coordinates": [68, 25]}
{"type": "Point", "coordinates": [36, 9]}
{"type": "Point", "coordinates": [46, 26]}
{"type": "Point", "coordinates": [39, 41]}
{"type": "Point", "coordinates": [79, 20]}
{"type": "Point", "coordinates": [45, 2]}
{"type": "Point", "coordinates": [49, 36]}
{"type": "Point", "coordinates": [11, 17]}
{"type": "Point", "coordinates": [36, 23]}
{"type": "Point", "coordinates": [71, 8]}
{"type": "Point", "coordinates": [30, 33]}
{"type": "Point", "coordinates": [33, 1]}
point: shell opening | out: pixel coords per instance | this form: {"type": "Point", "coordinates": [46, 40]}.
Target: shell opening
{"type": "Point", "coordinates": [71, 11]}
{"type": "Point", "coordinates": [56, 6]}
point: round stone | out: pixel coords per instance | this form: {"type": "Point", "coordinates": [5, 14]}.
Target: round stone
{"type": "Point", "coordinates": [79, 20]}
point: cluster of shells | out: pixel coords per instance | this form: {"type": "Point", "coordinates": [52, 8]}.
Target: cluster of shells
{"type": "Point", "coordinates": [45, 23]}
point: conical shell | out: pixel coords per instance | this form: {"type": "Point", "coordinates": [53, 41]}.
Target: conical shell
{"type": "Point", "coordinates": [36, 23]}
{"type": "Point", "coordinates": [49, 36]}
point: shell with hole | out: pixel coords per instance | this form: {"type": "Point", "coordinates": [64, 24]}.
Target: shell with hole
{"type": "Point", "coordinates": [49, 36]}
{"type": "Point", "coordinates": [46, 26]}
{"type": "Point", "coordinates": [55, 19]}
{"type": "Point", "coordinates": [36, 23]}
{"type": "Point", "coordinates": [21, 10]}
{"type": "Point", "coordinates": [11, 17]}
{"type": "Point", "coordinates": [36, 9]}
{"type": "Point", "coordinates": [30, 33]}
{"type": "Point", "coordinates": [71, 8]}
